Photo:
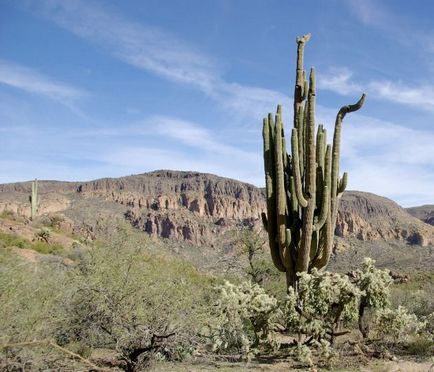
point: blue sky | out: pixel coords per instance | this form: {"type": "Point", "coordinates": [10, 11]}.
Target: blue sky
{"type": "Point", "coordinates": [92, 89]}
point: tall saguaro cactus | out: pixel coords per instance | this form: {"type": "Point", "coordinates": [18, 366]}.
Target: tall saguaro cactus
{"type": "Point", "coordinates": [303, 188]}
{"type": "Point", "coordinates": [34, 199]}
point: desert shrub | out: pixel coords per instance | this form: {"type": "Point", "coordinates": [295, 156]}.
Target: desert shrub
{"type": "Point", "coordinates": [8, 215]}
{"type": "Point", "coordinates": [12, 240]}
{"type": "Point", "coordinates": [245, 318]}
{"type": "Point", "coordinates": [417, 295]}
{"type": "Point", "coordinates": [421, 345]}
{"type": "Point", "coordinates": [250, 244]}
{"type": "Point", "coordinates": [397, 324]}
{"type": "Point", "coordinates": [322, 303]}
{"type": "Point", "coordinates": [43, 234]}
{"type": "Point", "coordinates": [142, 306]}
{"type": "Point", "coordinates": [28, 295]}
{"type": "Point", "coordinates": [374, 285]}
{"type": "Point", "coordinates": [56, 221]}
{"type": "Point", "coordinates": [77, 252]}
{"type": "Point", "coordinates": [45, 248]}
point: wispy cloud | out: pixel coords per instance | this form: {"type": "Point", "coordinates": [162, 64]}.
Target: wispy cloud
{"type": "Point", "coordinates": [420, 97]}
{"type": "Point", "coordinates": [194, 135]}
{"type": "Point", "coordinates": [158, 52]}
{"type": "Point", "coordinates": [373, 13]}
{"type": "Point", "coordinates": [341, 81]}
{"type": "Point", "coordinates": [143, 47]}
{"type": "Point", "coordinates": [370, 12]}
{"type": "Point", "coordinates": [31, 81]}
{"type": "Point", "coordinates": [386, 157]}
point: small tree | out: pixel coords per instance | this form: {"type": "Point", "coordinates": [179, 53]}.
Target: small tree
{"type": "Point", "coordinates": [251, 245]}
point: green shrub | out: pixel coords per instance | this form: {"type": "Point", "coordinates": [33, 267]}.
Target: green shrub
{"type": "Point", "coordinates": [45, 248]}
{"type": "Point", "coordinates": [13, 240]}
{"type": "Point", "coordinates": [140, 305]}
{"type": "Point", "coordinates": [421, 345]}
{"type": "Point", "coordinates": [374, 285]}
{"type": "Point", "coordinates": [397, 324]}
{"type": "Point", "coordinates": [8, 215]}
{"type": "Point", "coordinates": [43, 234]}
{"type": "Point", "coordinates": [324, 301]}
{"type": "Point", "coordinates": [417, 295]}
{"type": "Point", "coordinates": [245, 317]}
{"type": "Point", "coordinates": [28, 295]}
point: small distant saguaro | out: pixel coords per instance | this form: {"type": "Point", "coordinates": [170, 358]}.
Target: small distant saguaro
{"type": "Point", "coordinates": [34, 200]}
{"type": "Point", "coordinates": [303, 188]}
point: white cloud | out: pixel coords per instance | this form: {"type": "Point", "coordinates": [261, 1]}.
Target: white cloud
{"type": "Point", "coordinates": [31, 81]}
{"type": "Point", "coordinates": [385, 158]}
{"type": "Point", "coordinates": [339, 81]}
{"type": "Point", "coordinates": [196, 136]}
{"type": "Point", "coordinates": [392, 25]}
{"type": "Point", "coordinates": [160, 53]}
{"type": "Point", "coordinates": [420, 97]}
{"type": "Point", "coordinates": [141, 46]}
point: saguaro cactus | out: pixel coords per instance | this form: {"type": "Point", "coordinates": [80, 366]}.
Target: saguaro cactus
{"type": "Point", "coordinates": [303, 188]}
{"type": "Point", "coordinates": [34, 199]}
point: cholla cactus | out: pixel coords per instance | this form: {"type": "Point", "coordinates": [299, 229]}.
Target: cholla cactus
{"type": "Point", "coordinates": [323, 302]}
{"type": "Point", "coordinates": [303, 188]}
{"type": "Point", "coordinates": [247, 316]}
{"type": "Point", "coordinates": [374, 283]}
{"type": "Point", "coordinates": [397, 324]}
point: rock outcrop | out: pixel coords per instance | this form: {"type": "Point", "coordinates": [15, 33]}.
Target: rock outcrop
{"type": "Point", "coordinates": [367, 216]}
{"type": "Point", "coordinates": [197, 207]}
{"type": "Point", "coordinates": [425, 213]}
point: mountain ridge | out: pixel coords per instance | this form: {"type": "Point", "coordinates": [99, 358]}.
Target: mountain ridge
{"type": "Point", "coordinates": [197, 207]}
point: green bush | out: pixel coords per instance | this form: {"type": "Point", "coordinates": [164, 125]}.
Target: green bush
{"type": "Point", "coordinates": [28, 295]}
{"type": "Point", "coordinates": [323, 302]}
{"type": "Point", "coordinates": [245, 318]}
{"type": "Point", "coordinates": [13, 240]}
{"type": "Point", "coordinates": [45, 248]}
{"type": "Point", "coordinates": [421, 345]}
{"type": "Point", "coordinates": [140, 305]}
{"type": "Point", "coordinates": [417, 295]}
{"type": "Point", "coordinates": [397, 324]}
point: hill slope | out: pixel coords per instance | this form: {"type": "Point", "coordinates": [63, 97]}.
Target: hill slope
{"type": "Point", "coordinates": [198, 208]}
{"type": "Point", "coordinates": [424, 213]}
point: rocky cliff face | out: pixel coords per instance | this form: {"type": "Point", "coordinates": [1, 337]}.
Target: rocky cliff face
{"type": "Point", "coordinates": [425, 213]}
{"type": "Point", "coordinates": [367, 216]}
{"type": "Point", "coordinates": [198, 207]}
{"type": "Point", "coordinates": [203, 195]}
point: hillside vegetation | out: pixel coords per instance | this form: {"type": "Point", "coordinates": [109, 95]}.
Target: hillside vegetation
{"type": "Point", "coordinates": [124, 302]}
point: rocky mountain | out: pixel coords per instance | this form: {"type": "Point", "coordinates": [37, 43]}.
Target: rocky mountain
{"type": "Point", "coordinates": [424, 213]}
{"type": "Point", "coordinates": [197, 208]}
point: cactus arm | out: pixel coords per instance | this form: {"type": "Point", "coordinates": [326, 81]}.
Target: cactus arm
{"type": "Point", "coordinates": [294, 202]}
{"type": "Point", "coordinates": [343, 182]}
{"type": "Point", "coordinates": [300, 93]}
{"type": "Point", "coordinates": [280, 194]}
{"type": "Point", "coordinates": [271, 223]}
{"type": "Point", "coordinates": [300, 129]}
{"type": "Point", "coordinates": [310, 181]}
{"type": "Point", "coordinates": [300, 90]}
{"type": "Point", "coordinates": [324, 209]}
{"type": "Point", "coordinates": [336, 150]}
{"type": "Point", "coordinates": [295, 164]}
